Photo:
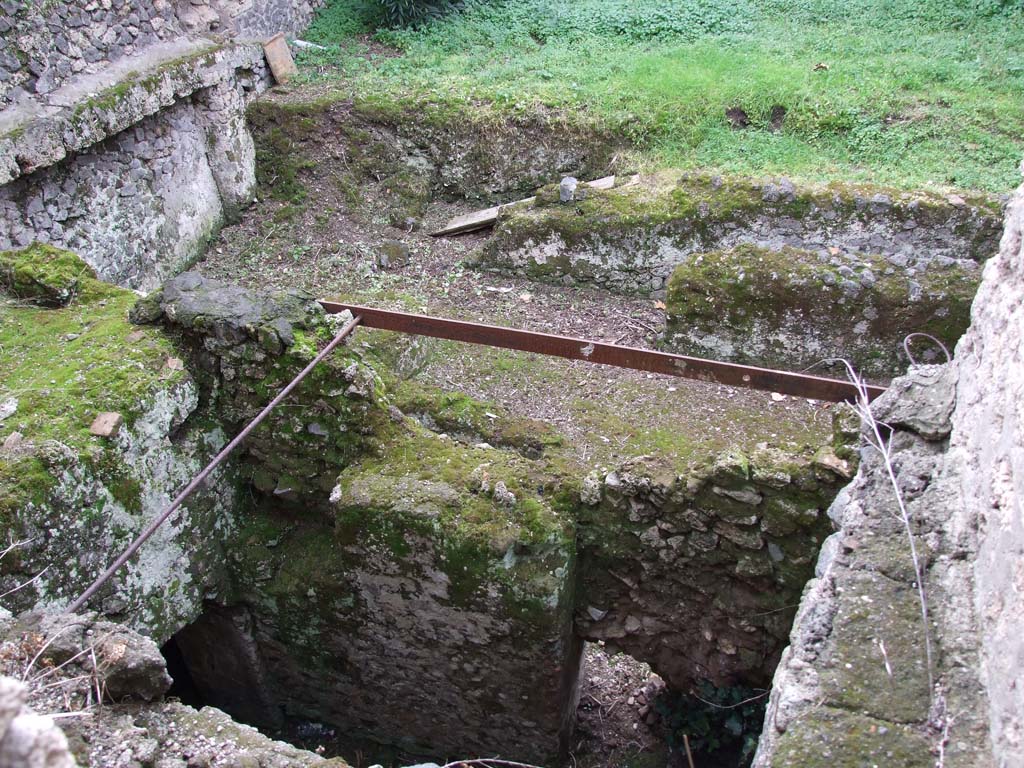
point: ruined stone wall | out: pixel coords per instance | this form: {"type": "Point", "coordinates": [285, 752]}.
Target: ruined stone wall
{"type": "Point", "coordinates": [855, 685]}
{"type": "Point", "coordinates": [632, 237]}
{"type": "Point", "coordinates": [766, 272]}
{"type": "Point", "coordinates": [45, 43]}
{"type": "Point", "coordinates": [73, 498]}
{"type": "Point", "coordinates": [134, 171]}
{"type": "Point", "coordinates": [140, 204]}
{"type": "Point", "coordinates": [384, 580]}
{"type": "Point", "coordinates": [699, 575]}
{"type": "Point", "coordinates": [988, 448]}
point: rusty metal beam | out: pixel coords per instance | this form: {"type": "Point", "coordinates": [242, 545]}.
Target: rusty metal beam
{"type": "Point", "coordinates": [729, 374]}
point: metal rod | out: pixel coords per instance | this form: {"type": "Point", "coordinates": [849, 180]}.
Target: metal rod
{"type": "Point", "coordinates": [197, 481]}
{"type": "Point", "coordinates": [729, 374]}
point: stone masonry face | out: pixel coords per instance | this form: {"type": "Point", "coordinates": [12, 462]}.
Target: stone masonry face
{"type": "Point", "coordinates": [247, 18]}
{"type": "Point", "coordinates": [988, 442]}
{"type": "Point", "coordinates": [44, 43]}
{"type": "Point", "coordinates": [138, 205]}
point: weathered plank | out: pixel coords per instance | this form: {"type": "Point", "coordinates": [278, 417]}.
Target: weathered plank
{"type": "Point", "coordinates": [471, 222]}
{"type": "Point", "coordinates": [280, 58]}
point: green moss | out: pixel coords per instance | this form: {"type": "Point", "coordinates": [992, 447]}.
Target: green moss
{"type": "Point", "coordinates": [66, 365]}
{"type": "Point", "coordinates": [448, 493]}
{"type": "Point", "coordinates": [63, 366]}
{"type": "Point", "coordinates": [279, 166]}
{"type": "Point", "coordinates": [747, 291]}
{"type": "Point", "coordinates": [849, 740]}
{"type": "Point", "coordinates": [694, 209]}
{"type": "Point", "coordinates": [44, 274]}
{"type": "Point", "coordinates": [874, 609]}
{"type": "Point", "coordinates": [24, 481]}
{"type": "Point", "coordinates": [457, 414]}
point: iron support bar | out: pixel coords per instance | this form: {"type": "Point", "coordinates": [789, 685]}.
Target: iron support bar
{"type": "Point", "coordinates": [198, 480]}
{"type": "Point", "coordinates": [729, 374]}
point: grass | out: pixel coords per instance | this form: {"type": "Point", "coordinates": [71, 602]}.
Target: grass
{"type": "Point", "coordinates": [892, 91]}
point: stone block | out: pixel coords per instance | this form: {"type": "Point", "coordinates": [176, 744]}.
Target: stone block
{"type": "Point", "coordinates": [106, 425]}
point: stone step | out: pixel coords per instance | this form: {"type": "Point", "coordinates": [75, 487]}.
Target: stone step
{"type": "Point", "coordinates": [43, 131]}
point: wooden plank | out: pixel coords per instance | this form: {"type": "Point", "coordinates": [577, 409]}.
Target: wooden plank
{"type": "Point", "coordinates": [729, 374]}
{"type": "Point", "coordinates": [471, 222]}
{"type": "Point", "coordinates": [280, 58]}
{"type": "Point", "coordinates": [606, 183]}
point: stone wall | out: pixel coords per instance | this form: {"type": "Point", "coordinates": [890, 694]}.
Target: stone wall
{"type": "Point", "coordinates": [73, 498]}
{"type": "Point", "coordinates": [789, 309]}
{"type": "Point", "coordinates": [46, 44]}
{"type": "Point", "coordinates": [141, 204]}
{"type": "Point", "coordinates": [855, 681]}
{"type": "Point", "coordinates": [766, 272]}
{"type": "Point", "coordinates": [988, 448]}
{"type": "Point", "coordinates": [137, 176]}
{"type": "Point", "coordinates": [699, 575]}
{"type": "Point", "coordinates": [122, 133]}
{"type": "Point", "coordinates": [855, 684]}
{"type": "Point", "coordinates": [385, 581]}
{"type": "Point", "coordinates": [630, 238]}
{"type": "Point", "coordinates": [258, 19]}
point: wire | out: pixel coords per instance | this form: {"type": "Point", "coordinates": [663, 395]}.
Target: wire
{"type": "Point", "coordinates": [197, 481]}
{"type": "Point", "coordinates": [939, 344]}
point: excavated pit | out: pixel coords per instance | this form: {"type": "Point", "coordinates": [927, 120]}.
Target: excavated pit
{"type": "Point", "coordinates": [458, 568]}
{"type": "Point", "coordinates": [407, 560]}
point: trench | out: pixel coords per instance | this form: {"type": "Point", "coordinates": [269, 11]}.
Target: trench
{"type": "Point", "coordinates": [550, 561]}
{"type": "Point", "coordinates": [668, 603]}
{"type": "Point", "coordinates": [626, 714]}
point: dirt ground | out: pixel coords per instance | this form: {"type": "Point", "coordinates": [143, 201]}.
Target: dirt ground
{"type": "Point", "coordinates": [616, 722]}
{"type": "Point", "coordinates": [606, 414]}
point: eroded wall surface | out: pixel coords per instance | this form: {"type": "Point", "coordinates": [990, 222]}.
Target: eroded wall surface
{"type": "Point", "coordinates": [766, 272]}
{"type": "Point", "coordinates": [698, 575]}
{"type": "Point", "coordinates": [988, 447]}
{"type": "Point", "coordinates": [856, 681]}
{"type": "Point", "coordinates": [122, 130]}
{"type": "Point", "coordinates": [140, 204]}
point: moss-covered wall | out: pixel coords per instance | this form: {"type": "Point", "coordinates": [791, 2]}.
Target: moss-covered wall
{"type": "Point", "coordinates": [631, 237]}
{"type": "Point", "coordinates": [74, 499]}
{"type": "Point", "coordinates": [766, 272]}
{"type": "Point", "coordinates": [419, 148]}
{"type": "Point", "coordinates": [791, 309]}
{"type": "Point", "coordinates": [388, 573]}
{"type": "Point", "coordinates": [377, 556]}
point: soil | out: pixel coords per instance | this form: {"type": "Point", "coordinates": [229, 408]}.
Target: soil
{"type": "Point", "coordinates": [617, 725]}
{"type": "Point", "coordinates": [330, 248]}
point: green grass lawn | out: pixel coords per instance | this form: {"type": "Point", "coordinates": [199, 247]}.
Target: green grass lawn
{"type": "Point", "coordinates": [898, 92]}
